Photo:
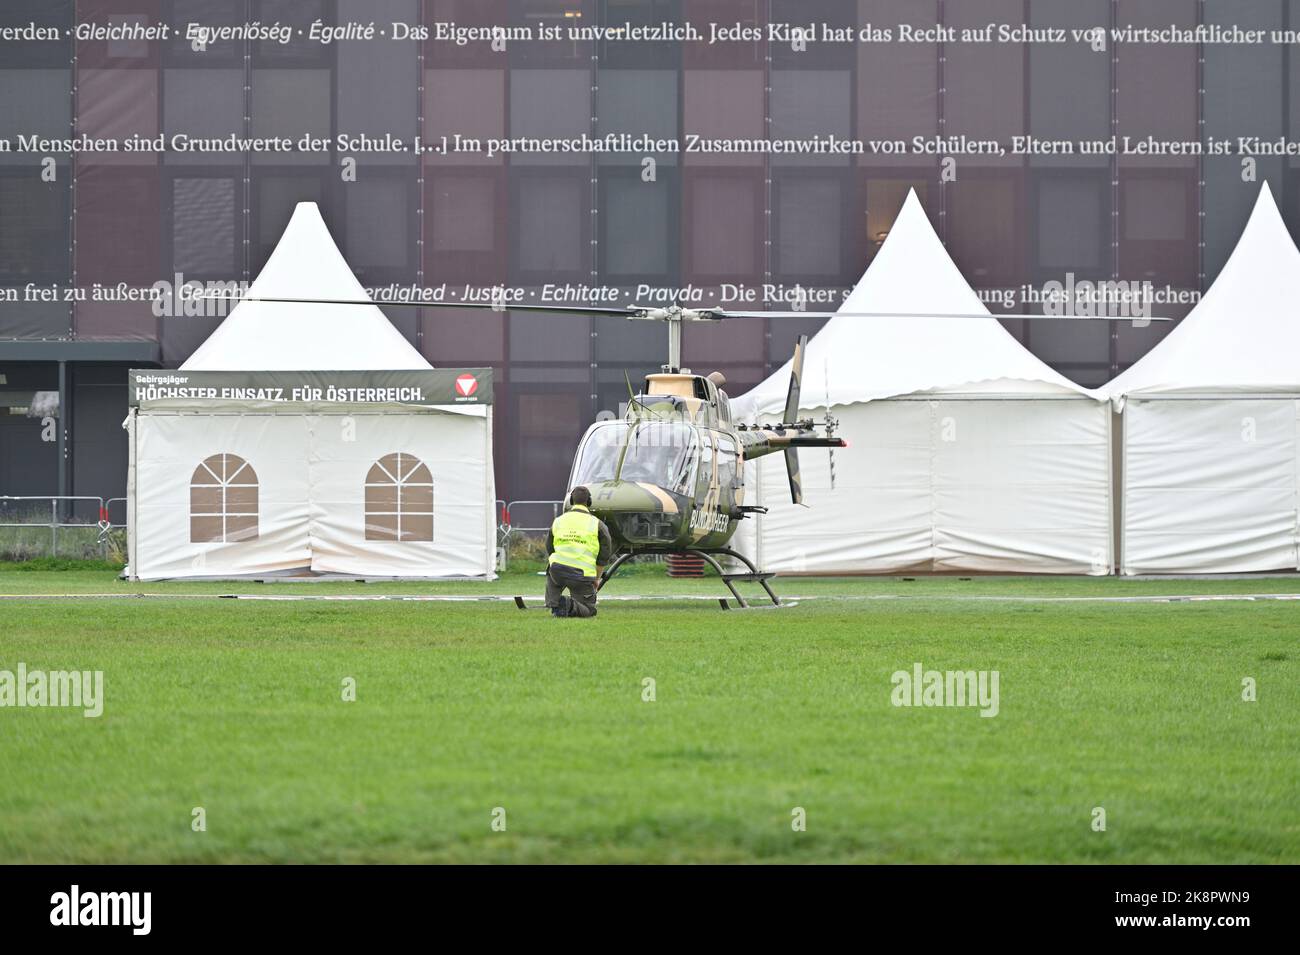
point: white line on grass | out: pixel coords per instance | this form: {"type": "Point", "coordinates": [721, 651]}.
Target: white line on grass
{"type": "Point", "coordinates": [504, 598]}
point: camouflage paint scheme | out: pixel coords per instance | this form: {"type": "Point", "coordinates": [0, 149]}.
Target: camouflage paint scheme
{"type": "Point", "coordinates": [645, 517]}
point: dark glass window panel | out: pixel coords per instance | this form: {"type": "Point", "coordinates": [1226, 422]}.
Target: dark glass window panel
{"type": "Point", "coordinates": [275, 195]}
{"type": "Point", "coordinates": [885, 198]}
{"type": "Point", "coordinates": [118, 210]}
{"type": "Point", "coordinates": [1155, 209]}
{"type": "Point", "coordinates": [300, 14]}
{"type": "Point", "coordinates": [35, 102]}
{"type": "Point", "coordinates": [809, 104]}
{"type": "Point", "coordinates": [116, 54]}
{"type": "Point", "coordinates": [733, 55]}
{"type": "Point", "coordinates": [985, 231]}
{"type": "Point", "coordinates": [985, 82]}
{"type": "Point", "coordinates": [379, 229]}
{"type": "Point", "coordinates": [816, 53]}
{"type": "Point", "coordinates": [723, 104]}
{"type": "Point", "coordinates": [549, 103]}
{"type": "Point", "coordinates": [465, 226]}
{"type": "Point", "coordinates": [1069, 83]}
{"type": "Point", "coordinates": [204, 103]}
{"type": "Point", "coordinates": [639, 103]}
{"type": "Point", "coordinates": [58, 14]}
{"type": "Point", "coordinates": [205, 243]}
{"type": "Point", "coordinates": [548, 425]}
{"type": "Point", "coordinates": [549, 338]}
{"type": "Point", "coordinates": [465, 13]}
{"type": "Point", "coordinates": [1228, 202]}
{"type": "Point", "coordinates": [897, 83]}
{"type": "Point", "coordinates": [638, 227]}
{"type": "Point", "coordinates": [463, 337]}
{"type": "Point", "coordinates": [465, 102]}
{"type": "Point", "coordinates": [1243, 83]}
{"type": "Point", "coordinates": [640, 54]}
{"type": "Point", "coordinates": [1072, 225]}
{"type": "Point", "coordinates": [117, 103]}
{"type": "Point", "coordinates": [551, 216]}
{"type": "Point", "coordinates": [291, 103]}
{"type": "Point", "coordinates": [724, 227]}
{"type": "Point", "coordinates": [637, 347]}
{"type": "Point", "coordinates": [1157, 82]}
{"type": "Point", "coordinates": [210, 13]}
{"type": "Point", "coordinates": [564, 13]}
{"type": "Point", "coordinates": [377, 92]}
{"type": "Point", "coordinates": [34, 227]}
{"type": "Point", "coordinates": [810, 223]}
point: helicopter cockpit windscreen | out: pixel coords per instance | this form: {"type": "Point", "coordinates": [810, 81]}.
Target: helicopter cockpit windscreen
{"type": "Point", "coordinates": [657, 452]}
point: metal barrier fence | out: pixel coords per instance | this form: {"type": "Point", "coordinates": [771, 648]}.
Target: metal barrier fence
{"type": "Point", "coordinates": [517, 519]}
{"type": "Point", "coordinates": [56, 512]}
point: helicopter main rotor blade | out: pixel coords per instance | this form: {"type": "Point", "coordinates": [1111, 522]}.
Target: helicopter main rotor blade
{"type": "Point", "coordinates": [492, 306]}
{"type": "Point", "coordinates": [723, 313]}
{"type": "Point", "coordinates": [686, 314]}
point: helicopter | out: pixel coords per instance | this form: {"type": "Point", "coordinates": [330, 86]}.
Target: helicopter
{"type": "Point", "coordinates": [669, 478]}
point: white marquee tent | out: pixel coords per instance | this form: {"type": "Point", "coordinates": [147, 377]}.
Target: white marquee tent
{"type": "Point", "coordinates": [1211, 416]}
{"type": "Point", "coordinates": [310, 439]}
{"type": "Point", "coordinates": [967, 453]}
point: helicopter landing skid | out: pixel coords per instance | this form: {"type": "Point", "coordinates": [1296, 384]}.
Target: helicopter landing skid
{"type": "Point", "coordinates": [752, 575]}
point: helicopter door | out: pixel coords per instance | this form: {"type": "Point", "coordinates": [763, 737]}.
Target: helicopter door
{"type": "Point", "coordinates": [706, 476]}
{"type": "Point", "coordinates": [706, 487]}
{"type": "Point", "coordinates": [731, 478]}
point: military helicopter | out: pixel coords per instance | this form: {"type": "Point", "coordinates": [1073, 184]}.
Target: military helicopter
{"type": "Point", "coordinates": [669, 478]}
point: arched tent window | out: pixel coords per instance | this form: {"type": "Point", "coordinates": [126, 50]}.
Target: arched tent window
{"type": "Point", "coordinates": [399, 499]}
{"type": "Point", "coordinates": [223, 501]}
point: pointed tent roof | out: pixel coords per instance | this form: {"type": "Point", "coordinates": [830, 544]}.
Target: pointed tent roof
{"type": "Point", "coordinates": [275, 336]}
{"type": "Point", "coordinates": [916, 351]}
{"type": "Point", "coordinates": [1244, 334]}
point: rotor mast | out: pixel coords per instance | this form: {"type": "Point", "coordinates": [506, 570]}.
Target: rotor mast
{"type": "Point", "coordinates": [674, 320]}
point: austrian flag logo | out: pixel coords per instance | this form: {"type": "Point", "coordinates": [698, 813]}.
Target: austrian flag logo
{"type": "Point", "coordinates": [466, 385]}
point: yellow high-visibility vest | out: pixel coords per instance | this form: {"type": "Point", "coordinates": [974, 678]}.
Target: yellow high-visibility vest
{"type": "Point", "coordinates": [576, 536]}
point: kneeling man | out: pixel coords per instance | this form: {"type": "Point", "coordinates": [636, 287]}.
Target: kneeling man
{"type": "Point", "coordinates": [578, 546]}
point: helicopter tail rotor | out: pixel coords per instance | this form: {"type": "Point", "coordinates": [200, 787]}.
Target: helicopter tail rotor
{"type": "Point", "coordinates": [796, 380]}
{"type": "Point", "coordinates": [792, 469]}
{"type": "Point", "coordinates": [831, 423]}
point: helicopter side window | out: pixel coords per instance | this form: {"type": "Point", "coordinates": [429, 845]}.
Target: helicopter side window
{"type": "Point", "coordinates": [724, 407]}
{"type": "Point", "coordinates": [728, 462]}
{"type": "Point", "coordinates": [706, 469]}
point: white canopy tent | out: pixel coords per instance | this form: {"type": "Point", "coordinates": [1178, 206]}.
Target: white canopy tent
{"type": "Point", "coordinates": [966, 453]}
{"type": "Point", "coordinates": [310, 438]}
{"type": "Point", "coordinates": [1211, 416]}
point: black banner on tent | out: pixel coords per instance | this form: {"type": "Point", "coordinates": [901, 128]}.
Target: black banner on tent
{"type": "Point", "coordinates": [154, 389]}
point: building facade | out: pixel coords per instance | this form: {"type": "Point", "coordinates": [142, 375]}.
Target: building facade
{"type": "Point", "coordinates": [707, 221]}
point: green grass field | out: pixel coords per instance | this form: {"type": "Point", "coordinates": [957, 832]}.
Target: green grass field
{"type": "Point", "coordinates": [235, 706]}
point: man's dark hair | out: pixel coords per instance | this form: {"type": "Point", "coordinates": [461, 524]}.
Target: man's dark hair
{"type": "Point", "coordinates": [580, 495]}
